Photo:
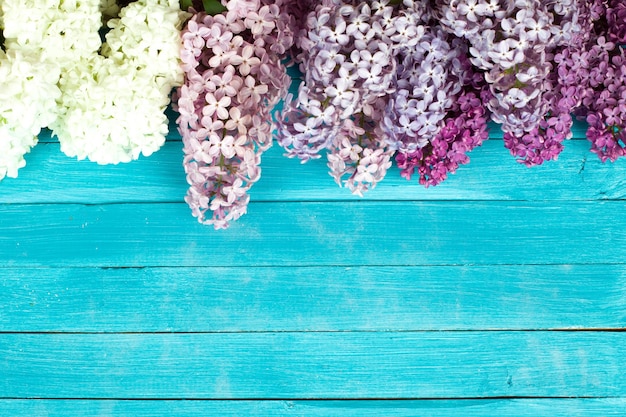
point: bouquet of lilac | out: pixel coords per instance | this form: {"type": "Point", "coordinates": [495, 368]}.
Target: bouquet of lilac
{"type": "Point", "coordinates": [413, 79]}
{"type": "Point", "coordinates": [233, 78]}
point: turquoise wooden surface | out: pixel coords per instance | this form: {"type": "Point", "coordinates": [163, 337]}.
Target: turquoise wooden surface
{"type": "Point", "coordinates": [500, 292]}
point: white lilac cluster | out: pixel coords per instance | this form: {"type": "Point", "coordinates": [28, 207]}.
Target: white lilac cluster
{"type": "Point", "coordinates": [114, 95]}
{"type": "Point", "coordinates": [28, 83]}
{"type": "Point", "coordinates": [233, 78]}
{"type": "Point", "coordinates": [349, 67]}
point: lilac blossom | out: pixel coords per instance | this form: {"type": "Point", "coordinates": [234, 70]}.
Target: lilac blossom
{"type": "Point", "coordinates": [461, 133]}
{"type": "Point", "coordinates": [233, 78]}
{"type": "Point", "coordinates": [513, 43]}
{"type": "Point", "coordinates": [348, 64]}
{"type": "Point", "coordinates": [430, 75]}
{"type": "Point", "coordinates": [592, 77]}
{"type": "Point", "coordinates": [461, 126]}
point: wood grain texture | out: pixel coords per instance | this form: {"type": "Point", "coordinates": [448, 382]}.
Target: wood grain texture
{"type": "Point", "coordinates": [229, 299]}
{"type": "Point", "coordinates": [309, 234]}
{"type": "Point", "coordinates": [341, 365]}
{"type": "Point", "coordinates": [403, 408]}
{"type": "Point", "coordinates": [492, 174]}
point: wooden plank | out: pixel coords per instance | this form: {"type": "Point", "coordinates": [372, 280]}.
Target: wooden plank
{"type": "Point", "coordinates": [309, 234]}
{"type": "Point", "coordinates": [404, 408]}
{"type": "Point", "coordinates": [315, 298]}
{"type": "Point", "coordinates": [51, 177]}
{"type": "Point", "coordinates": [339, 365]}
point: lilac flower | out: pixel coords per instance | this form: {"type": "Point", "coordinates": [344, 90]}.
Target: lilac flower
{"type": "Point", "coordinates": [358, 158]}
{"type": "Point", "coordinates": [348, 66]}
{"type": "Point", "coordinates": [472, 10]}
{"type": "Point", "coordinates": [592, 76]}
{"type": "Point", "coordinates": [531, 58]}
{"type": "Point", "coordinates": [231, 84]}
{"type": "Point", "coordinates": [465, 128]}
{"type": "Point", "coordinates": [424, 90]}
{"type": "Point", "coordinates": [217, 107]}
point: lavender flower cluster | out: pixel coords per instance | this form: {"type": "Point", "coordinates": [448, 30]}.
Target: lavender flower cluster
{"type": "Point", "coordinates": [233, 78]}
{"type": "Point", "coordinates": [463, 129]}
{"type": "Point", "coordinates": [542, 61]}
{"type": "Point", "coordinates": [436, 115]}
{"type": "Point", "coordinates": [510, 41]}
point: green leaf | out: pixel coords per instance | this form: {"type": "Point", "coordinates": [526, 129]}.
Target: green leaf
{"type": "Point", "coordinates": [213, 7]}
{"type": "Point", "coordinates": [185, 4]}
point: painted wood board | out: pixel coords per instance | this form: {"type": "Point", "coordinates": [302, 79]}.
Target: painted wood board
{"type": "Point", "coordinates": [272, 408]}
{"type": "Point", "coordinates": [303, 365]}
{"type": "Point", "coordinates": [492, 174]}
{"type": "Point", "coordinates": [513, 303]}
{"type": "Point", "coordinates": [315, 234]}
{"type": "Point", "coordinates": [377, 298]}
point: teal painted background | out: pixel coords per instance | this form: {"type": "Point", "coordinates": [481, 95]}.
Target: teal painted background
{"type": "Point", "coordinates": [501, 292]}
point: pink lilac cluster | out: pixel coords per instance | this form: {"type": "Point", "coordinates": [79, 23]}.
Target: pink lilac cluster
{"type": "Point", "coordinates": [233, 78]}
{"type": "Point", "coordinates": [348, 63]}
{"type": "Point", "coordinates": [513, 42]}
{"type": "Point", "coordinates": [592, 76]}
{"type": "Point", "coordinates": [458, 116]}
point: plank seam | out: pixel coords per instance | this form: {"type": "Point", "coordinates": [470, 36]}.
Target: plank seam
{"type": "Point", "coordinates": [306, 266]}
{"type": "Point", "coordinates": [227, 332]}
{"type": "Point", "coordinates": [349, 199]}
{"type": "Point", "coordinates": [332, 399]}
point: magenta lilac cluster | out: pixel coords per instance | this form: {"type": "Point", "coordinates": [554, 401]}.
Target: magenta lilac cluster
{"type": "Point", "coordinates": [544, 62]}
{"type": "Point", "coordinates": [464, 128]}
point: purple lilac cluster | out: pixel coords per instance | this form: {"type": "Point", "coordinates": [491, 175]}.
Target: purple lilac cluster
{"type": "Point", "coordinates": [571, 23]}
{"type": "Point", "coordinates": [349, 67]}
{"type": "Point", "coordinates": [428, 79]}
{"type": "Point", "coordinates": [233, 78]}
{"type": "Point", "coordinates": [461, 124]}
{"type": "Point", "coordinates": [592, 75]}
{"type": "Point", "coordinates": [448, 149]}
{"type": "Point", "coordinates": [512, 42]}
